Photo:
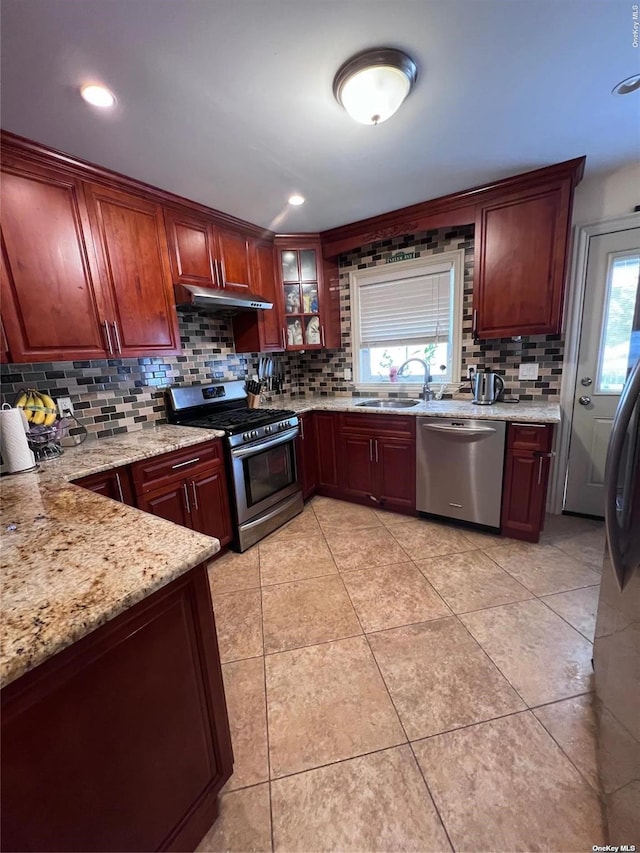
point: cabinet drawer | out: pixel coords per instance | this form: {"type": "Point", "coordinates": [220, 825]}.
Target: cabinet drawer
{"type": "Point", "coordinates": [151, 473]}
{"type": "Point", "coordinates": [376, 425]}
{"type": "Point", "coordinates": [530, 436]}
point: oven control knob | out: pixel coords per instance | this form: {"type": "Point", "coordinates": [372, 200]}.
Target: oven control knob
{"type": "Point", "coordinates": [254, 433]}
{"type": "Point", "coordinates": [245, 436]}
{"type": "Point", "coordinates": [267, 429]}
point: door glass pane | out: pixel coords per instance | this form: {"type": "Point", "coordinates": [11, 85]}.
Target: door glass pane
{"type": "Point", "coordinates": [289, 260]}
{"type": "Point", "coordinates": [620, 307]}
{"type": "Point", "coordinates": [308, 265]}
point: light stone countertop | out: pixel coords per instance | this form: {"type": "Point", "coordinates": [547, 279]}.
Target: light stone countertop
{"type": "Point", "coordinates": [527, 412]}
{"type": "Point", "coordinates": [78, 559]}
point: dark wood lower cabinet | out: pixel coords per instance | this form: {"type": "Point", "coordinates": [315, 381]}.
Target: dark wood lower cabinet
{"type": "Point", "coordinates": [397, 474]}
{"type": "Point", "coordinates": [209, 502]}
{"type": "Point", "coordinates": [115, 484]}
{"type": "Point", "coordinates": [307, 454]}
{"type": "Point", "coordinates": [121, 742]}
{"type": "Point", "coordinates": [326, 427]}
{"type": "Point", "coordinates": [526, 477]}
{"type": "Point", "coordinates": [168, 502]}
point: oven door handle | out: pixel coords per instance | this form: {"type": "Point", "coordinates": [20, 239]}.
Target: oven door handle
{"type": "Point", "coordinates": [250, 449]}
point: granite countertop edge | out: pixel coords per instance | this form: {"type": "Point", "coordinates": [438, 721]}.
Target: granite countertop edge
{"type": "Point", "coordinates": [547, 412]}
{"type": "Point", "coordinates": [76, 559]}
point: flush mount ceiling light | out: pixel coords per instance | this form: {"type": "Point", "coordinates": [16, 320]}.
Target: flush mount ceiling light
{"type": "Point", "coordinates": [631, 84]}
{"type": "Point", "coordinates": [98, 96]}
{"type": "Point", "coordinates": [296, 200]}
{"type": "Point", "coordinates": [372, 85]}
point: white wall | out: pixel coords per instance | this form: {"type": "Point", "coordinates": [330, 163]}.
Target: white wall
{"type": "Point", "coordinates": [607, 194]}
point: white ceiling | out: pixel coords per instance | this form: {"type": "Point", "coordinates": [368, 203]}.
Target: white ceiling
{"type": "Point", "coordinates": [229, 102]}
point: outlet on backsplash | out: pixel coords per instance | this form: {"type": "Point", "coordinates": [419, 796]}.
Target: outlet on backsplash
{"type": "Point", "coordinates": [528, 371]}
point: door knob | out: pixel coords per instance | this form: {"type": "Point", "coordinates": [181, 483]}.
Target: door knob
{"type": "Point", "coordinates": [584, 401]}
{"type": "Point", "coordinates": [586, 381]}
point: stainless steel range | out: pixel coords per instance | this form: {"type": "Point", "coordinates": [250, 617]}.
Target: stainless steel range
{"type": "Point", "coordinates": [260, 445]}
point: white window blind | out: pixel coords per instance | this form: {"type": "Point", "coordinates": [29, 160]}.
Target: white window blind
{"type": "Point", "coordinates": [411, 309]}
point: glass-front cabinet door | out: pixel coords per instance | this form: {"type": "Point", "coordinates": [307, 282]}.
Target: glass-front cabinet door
{"type": "Point", "coordinates": [300, 271]}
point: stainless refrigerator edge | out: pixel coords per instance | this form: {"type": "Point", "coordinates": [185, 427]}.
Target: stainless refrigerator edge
{"type": "Point", "coordinates": [616, 650]}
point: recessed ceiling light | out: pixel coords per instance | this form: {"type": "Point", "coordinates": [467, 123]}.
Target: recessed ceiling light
{"type": "Point", "coordinates": [296, 199]}
{"type": "Point", "coordinates": [625, 87]}
{"type": "Point", "coordinates": [99, 96]}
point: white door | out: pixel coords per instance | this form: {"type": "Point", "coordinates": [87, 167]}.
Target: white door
{"type": "Point", "coordinates": [610, 305]}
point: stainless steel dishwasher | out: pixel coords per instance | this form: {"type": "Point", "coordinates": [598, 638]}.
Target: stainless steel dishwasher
{"type": "Point", "coordinates": [459, 468]}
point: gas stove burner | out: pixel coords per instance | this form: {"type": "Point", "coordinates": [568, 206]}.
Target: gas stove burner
{"type": "Point", "coordinates": [238, 419]}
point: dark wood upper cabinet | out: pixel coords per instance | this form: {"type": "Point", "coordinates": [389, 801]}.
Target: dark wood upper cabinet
{"type": "Point", "coordinates": [311, 308]}
{"type": "Point", "coordinates": [521, 244]}
{"type": "Point", "coordinates": [192, 250]}
{"type": "Point", "coordinates": [261, 331]}
{"type": "Point", "coordinates": [132, 250]}
{"type": "Point", "coordinates": [51, 297]}
{"type": "Point", "coordinates": [235, 261]}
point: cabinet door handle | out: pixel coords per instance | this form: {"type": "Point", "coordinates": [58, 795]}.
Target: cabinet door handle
{"type": "Point", "coordinates": [322, 335]}
{"type": "Point", "coordinates": [541, 457]}
{"type": "Point", "coordinates": [116, 334]}
{"type": "Point", "coordinates": [284, 339]}
{"type": "Point", "coordinates": [119, 485]}
{"type": "Point", "coordinates": [186, 497]}
{"type": "Point", "coordinates": [223, 273]}
{"type": "Point", "coordinates": [188, 462]}
{"type": "Point", "coordinates": [301, 422]}
{"type": "Point", "coordinates": [376, 441]}
{"type": "Point", "coordinates": [370, 450]}
{"type": "Point", "coordinates": [107, 335]}
{"type": "Point", "coordinates": [474, 329]}
{"type": "Point", "coordinates": [195, 495]}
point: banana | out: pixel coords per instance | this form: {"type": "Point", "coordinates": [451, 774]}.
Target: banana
{"type": "Point", "coordinates": [47, 402]}
{"type": "Point", "coordinates": [50, 419]}
{"type": "Point", "coordinates": [21, 402]}
{"type": "Point", "coordinates": [48, 415]}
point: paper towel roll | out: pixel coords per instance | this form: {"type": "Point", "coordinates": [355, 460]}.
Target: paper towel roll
{"type": "Point", "coordinates": [16, 455]}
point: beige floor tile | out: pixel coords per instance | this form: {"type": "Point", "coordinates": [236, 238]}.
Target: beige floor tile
{"type": "Point", "coordinates": [359, 549]}
{"type": "Point", "coordinates": [484, 539]}
{"type": "Point", "coordinates": [377, 802]}
{"type": "Point", "coordinates": [326, 703]}
{"type": "Point", "coordinates": [238, 624]}
{"type": "Point", "coordinates": [247, 709]}
{"type": "Point", "coordinates": [578, 607]}
{"type": "Point", "coordinates": [305, 524]}
{"type": "Point", "coordinates": [304, 612]}
{"type": "Point", "coordinates": [471, 581]}
{"type": "Point", "coordinates": [543, 569]}
{"type": "Point", "coordinates": [244, 824]}
{"type": "Point", "coordinates": [557, 527]}
{"type": "Point", "coordinates": [505, 785]}
{"type": "Point", "coordinates": [544, 658]}
{"type": "Point", "coordinates": [340, 516]}
{"type": "Point", "coordinates": [391, 518]}
{"type": "Point", "coordinates": [587, 548]}
{"type": "Point", "coordinates": [423, 539]}
{"type": "Point", "coordinates": [389, 596]}
{"type": "Point", "coordinates": [572, 724]}
{"type": "Point", "coordinates": [439, 678]}
{"type": "Point", "coordinates": [235, 571]}
{"type": "Point", "coordinates": [293, 559]}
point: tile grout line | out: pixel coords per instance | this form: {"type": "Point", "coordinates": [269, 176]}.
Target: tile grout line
{"type": "Point", "coordinates": [393, 705]}
{"type": "Point", "coordinates": [266, 703]}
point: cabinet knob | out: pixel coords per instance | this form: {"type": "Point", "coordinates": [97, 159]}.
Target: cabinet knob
{"type": "Point", "coordinates": [584, 400]}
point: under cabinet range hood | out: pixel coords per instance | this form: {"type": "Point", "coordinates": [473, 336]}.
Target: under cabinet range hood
{"type": "Point", "coordinates": [208, 299]}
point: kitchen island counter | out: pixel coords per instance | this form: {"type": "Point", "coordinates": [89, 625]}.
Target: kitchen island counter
{"type": "Point", "coordinates": [543, 412]}
{"type": "Point", "coordinates": [73, 560]}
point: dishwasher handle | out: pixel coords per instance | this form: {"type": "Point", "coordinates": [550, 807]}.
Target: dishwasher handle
{"type": "Point", "coordinates": [459, 429]}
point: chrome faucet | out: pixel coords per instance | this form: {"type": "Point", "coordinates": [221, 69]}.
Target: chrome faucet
{"type": "Point", "coordinates": [427, 393]}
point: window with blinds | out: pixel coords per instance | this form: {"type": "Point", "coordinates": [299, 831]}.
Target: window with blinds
{"type": "Point", "coordinates": [412, 310]}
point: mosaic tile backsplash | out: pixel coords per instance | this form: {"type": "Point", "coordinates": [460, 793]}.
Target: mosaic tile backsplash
{"type": "Point", "coordinates": [121, 395]}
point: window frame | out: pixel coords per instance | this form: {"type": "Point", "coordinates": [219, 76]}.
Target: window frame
{"type": "Point", "coordinates": [425, 265]}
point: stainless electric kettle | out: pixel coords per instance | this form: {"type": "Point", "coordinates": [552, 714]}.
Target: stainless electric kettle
{"type": "Point", "coordinates": [487, 387]}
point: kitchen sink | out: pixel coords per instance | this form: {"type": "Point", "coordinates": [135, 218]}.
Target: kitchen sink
{"type": "Point", "coordinates": [389, 404]}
